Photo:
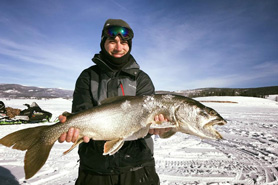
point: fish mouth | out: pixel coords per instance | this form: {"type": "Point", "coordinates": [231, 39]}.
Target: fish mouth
{"type": "Point", "coordinates": [216, 122]}
{"type": "Point", "coordinates": [210, 125]}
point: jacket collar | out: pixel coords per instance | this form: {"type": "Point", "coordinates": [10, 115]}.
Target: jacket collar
{"type": "Point", "coordinates": [131, 68]}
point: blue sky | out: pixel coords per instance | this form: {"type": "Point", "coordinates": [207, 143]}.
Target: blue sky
{"type": "Point", "coordinates": [181, 44]}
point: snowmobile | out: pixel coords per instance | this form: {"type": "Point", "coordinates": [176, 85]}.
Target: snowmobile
{"type": "Point", "coordinates": [33, 114]}
{"type": "Point", "coordinates": [4, 118]}
{"type": "Point", "coordinates": [3, 115]}
{"type": "Point", "coordinates": [2, 107]}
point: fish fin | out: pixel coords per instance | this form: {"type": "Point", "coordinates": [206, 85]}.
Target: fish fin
{"type": "Point", "coordinates": [115, 99]}
{"type": "Point", "coordinates": [111, 147]}
{"type": "Point", "coordinates": [30, 139]}
{"type": "Point", "coordinates": [22, 139]}
{"type": "Point", "coordinates": [218, 135]}
{"type": "Point", "coordinates": [167, 134]}
{"type": "Point", "coordinates": [77, 142]}
{"type": "Point", "coordinates": [67, 114]}
{"type": "Point", "coordinates": [35, 158]}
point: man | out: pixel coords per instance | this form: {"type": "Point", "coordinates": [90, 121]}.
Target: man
{"type": "Point", "coordinates": [116, 73]}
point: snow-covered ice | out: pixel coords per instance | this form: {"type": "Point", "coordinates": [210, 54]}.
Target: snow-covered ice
{"type": "Point", "coordinates": [248, 154]}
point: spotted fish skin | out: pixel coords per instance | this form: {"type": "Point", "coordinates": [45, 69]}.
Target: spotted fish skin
{"type": "Point", "coordinates": [117, 120]}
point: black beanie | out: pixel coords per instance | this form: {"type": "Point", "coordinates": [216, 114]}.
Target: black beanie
{"type": "Point", "coordinates": [115, 63]}
{"type": "Point", "coordinates": [114, 22]}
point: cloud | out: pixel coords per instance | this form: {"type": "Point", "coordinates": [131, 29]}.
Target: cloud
{"type": "Point", "coordinates": [262, 74]}
{"type": "Point", "coordinates": [119, 5]}
{"type": "Point", "coordinates": [271, 66]}
{"type": "Point", "coordinates": [265, 70]}
{"type": "Point", "coordinates": [55, 55]}
{"type": "Point", "coordinates": [180, 45]}
{"type": "Point", "coordinates": [30, 57]}
{"type": "Point", "coordinates": [173, 54]}
{"type": "Point", "coordinates": [219, 49]}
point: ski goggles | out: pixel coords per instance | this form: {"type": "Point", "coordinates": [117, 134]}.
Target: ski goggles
{"type": "Point", "coordinates": [113, 31]}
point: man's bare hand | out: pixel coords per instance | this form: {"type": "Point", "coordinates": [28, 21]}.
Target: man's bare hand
{"type": "Point", "coordinates": [159, 131]}
{"type": "Point", "coordinates": [72, 134]}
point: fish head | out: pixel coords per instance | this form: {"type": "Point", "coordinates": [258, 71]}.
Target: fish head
{"type": "Point", "coordinates": [196, 119]}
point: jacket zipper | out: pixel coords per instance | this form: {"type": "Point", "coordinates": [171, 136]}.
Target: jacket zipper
{"type": "Point", "coordinates": [122, 87]}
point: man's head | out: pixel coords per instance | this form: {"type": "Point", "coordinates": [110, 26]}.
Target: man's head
{"type": "Point", "coordinates": [116, 42]}
{"type": "Point", "coordinates": [117, 32]}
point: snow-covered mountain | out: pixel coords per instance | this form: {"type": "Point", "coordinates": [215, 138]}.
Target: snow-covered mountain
{"type": "Point", "coordinates": [262, 92]}
{"type": "Point", "coordinates": [15, 91]}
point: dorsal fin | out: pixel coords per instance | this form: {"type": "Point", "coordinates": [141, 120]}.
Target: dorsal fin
{"type": "Point", "coordinates": [67, 114]}
{"type": "Point", "coordinates": [114, 99]}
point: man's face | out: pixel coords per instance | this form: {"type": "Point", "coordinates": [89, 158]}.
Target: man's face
{"type": "Point", "coordinates": [116, 47]}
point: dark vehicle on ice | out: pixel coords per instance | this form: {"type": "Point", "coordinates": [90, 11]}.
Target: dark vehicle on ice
{"type": "Point", "coordinates": [32, 114]}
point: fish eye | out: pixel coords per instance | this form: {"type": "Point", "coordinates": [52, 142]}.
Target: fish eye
{"type": "Point", "coordinates": [203, 113]}
{"type": "Point", "coordinates": [212, 113]}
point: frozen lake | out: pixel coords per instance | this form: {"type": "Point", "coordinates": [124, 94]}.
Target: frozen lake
{"type": "Point", "coordinates": [248, 154]}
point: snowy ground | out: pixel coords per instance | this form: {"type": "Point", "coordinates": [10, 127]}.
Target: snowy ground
{"type": "Point", "coordinates": [247, 155]}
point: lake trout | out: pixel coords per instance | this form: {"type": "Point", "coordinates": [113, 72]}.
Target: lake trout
{"type": "Point", "coordinates": [117, 120]}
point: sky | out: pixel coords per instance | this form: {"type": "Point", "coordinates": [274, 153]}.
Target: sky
{"type": "Point", "coordinates": [180, 44]}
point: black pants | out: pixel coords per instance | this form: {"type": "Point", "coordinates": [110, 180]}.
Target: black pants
{"type": "Point", "coordinates": [142, 176]}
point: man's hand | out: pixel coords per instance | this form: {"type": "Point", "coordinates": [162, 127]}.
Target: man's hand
{"type": "Point", "coordinates": [72, 134]}
{"type": "Point", "coordinates": [159, 131]}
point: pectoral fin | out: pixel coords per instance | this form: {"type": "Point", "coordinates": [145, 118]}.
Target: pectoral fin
{"type": "Point", "coordinates": [111, 147]}
{"type": "Point", "coordinates": [77, 142]}
{"type": "Point", "coordinates": [167, 134]}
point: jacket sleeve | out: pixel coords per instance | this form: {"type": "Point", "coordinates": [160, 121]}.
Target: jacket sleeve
{"type": "Point", "coordinates": [82, 98]}
{"type": "Point", "coordinates": [144, 84]}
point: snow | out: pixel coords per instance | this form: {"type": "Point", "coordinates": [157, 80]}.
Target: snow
{"type": "Point", "coordinates": [12, 91]}
{"type": "Point", "coordinates": [248, 154]}
{"type": "Point", "coordinates": [273, 97]}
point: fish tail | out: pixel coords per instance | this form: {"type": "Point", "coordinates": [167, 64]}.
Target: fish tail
{"type": "Point", "coordinates": [32, 140]}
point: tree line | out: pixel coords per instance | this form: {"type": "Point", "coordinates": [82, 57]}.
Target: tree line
{"type": "Point", "coordinates": [261, 92]}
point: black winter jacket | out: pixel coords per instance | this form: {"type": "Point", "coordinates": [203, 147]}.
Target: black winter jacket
{"type": "Point", "coordinates": [96, 84]}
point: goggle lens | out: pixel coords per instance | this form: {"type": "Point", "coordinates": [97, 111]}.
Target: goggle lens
{"type": "Point", "coordinates": [113, 31]}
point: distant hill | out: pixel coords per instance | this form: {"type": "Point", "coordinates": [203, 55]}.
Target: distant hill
{"type": "Point", "coordinates": [15, 91]}
{"type": "Point", "coordinates": [262, 92]}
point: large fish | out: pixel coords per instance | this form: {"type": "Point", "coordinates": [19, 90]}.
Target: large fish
{"type": "Point", "coordinates": [117, 120]}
